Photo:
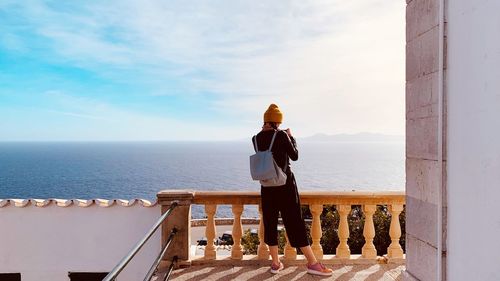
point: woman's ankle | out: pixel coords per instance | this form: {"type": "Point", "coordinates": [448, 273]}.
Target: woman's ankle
{"type": "Point", "coordinates": [312, 262]}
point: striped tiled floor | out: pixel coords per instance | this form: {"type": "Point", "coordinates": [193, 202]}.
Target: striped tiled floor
{"type": "Point", "coordinates": [370, 272]}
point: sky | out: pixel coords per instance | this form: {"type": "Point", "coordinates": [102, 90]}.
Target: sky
{"type": "Point", "coordinates": [199, 70]}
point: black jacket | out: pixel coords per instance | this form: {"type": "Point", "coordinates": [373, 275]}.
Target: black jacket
{"type": "Point", "coordinates": [284, 147]}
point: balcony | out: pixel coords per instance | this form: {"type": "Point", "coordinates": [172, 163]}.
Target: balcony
{"type": "Point", "coordinates": [367, 265]}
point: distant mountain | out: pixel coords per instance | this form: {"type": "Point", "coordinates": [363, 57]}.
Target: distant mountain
{"type": "Point", "coordinates": [359, 137]}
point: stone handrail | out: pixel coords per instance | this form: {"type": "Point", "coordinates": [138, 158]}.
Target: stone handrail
{"type": "Point", "coordinates": [315, 199]}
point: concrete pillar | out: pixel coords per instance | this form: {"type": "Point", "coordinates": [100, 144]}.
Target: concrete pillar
{"type": "Point", "coordinates": [180, 219]}
{"type": "Point", "coordinates": [425, 172]}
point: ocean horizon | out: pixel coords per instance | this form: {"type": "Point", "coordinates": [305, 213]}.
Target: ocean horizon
{"type": "Point", "coordinates": [128, 170]}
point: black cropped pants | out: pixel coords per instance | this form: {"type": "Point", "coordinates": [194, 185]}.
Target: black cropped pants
{"type": "Point", "coordinates": [285, 200]}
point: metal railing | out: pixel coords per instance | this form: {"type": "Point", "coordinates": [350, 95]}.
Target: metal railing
{"type": "Point", "coordinates": [123, 263]}
{"type": "Point", "coordinates": [157, 261]}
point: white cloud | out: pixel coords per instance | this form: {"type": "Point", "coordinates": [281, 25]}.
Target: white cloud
{"type": "Point", "coordinates": [334, 66]}
{"type": "Point", "coordinates": [105, 122]}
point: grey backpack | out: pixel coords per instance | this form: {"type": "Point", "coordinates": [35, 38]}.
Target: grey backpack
{"type": "Point", "coordinates": [263, 167]}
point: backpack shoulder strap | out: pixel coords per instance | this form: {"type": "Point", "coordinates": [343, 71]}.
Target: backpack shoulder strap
{"type": "Point", "coordinates": [272, 141]}
{"type": "Point", "coordinates": [254, 141]}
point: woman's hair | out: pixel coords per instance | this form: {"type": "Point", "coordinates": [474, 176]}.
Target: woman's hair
{"type": "Point", "coordinates": [274, 125]}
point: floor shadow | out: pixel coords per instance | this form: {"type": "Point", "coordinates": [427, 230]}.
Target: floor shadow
{"type": "Point", "coordinates": [299, 273]}
{"type": "Point", "coordinates": [376, 276]}
{"type": "Point", "coordinates": [242, 270]}
{"type": "Point", "coordinates": [368, 272]}
{"type": "Point", "coordinates": [195, 273]}
{"type": "Point", "coordinates": [292, 275]}
{"type": "Point", "coordinates": [384, 270]}
{"type": "Point", "coordinates": [349, 275]}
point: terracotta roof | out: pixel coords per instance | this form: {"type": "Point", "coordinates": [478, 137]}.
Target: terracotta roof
{"type": "Point", "coordinates": [20, 203]}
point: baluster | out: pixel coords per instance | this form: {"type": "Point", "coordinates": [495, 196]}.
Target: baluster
{"type": "Point", "coordinates": [395, 250]}
{"type": "Point", "coordinates": [210, 252]}
{"type": "Point", "coordinates": [316, 233]}
{"type": "Point", "coordinates": [237, 250]}
{"type": "Point", "coordinates": [343, 250]}
{"type": "Point", "coordinates": [262, 249]}
{"type": "Point", "coordinates": [290, 252]}
{"type": "Point", "coordinates": [369, 251]}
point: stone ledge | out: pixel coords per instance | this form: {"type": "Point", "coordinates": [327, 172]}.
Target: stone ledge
{"type": "Point", "coordinates": [328, 259]}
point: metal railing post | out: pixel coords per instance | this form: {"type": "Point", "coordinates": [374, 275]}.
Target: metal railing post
{"type": "Point", "coordinates": [158, 259]}
{"type": "Point", "coordinates": [170, 268]}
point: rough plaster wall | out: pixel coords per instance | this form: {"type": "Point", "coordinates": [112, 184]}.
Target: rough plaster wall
{"type": "Point", "coordinates": [422, 169]}
{"type": "Point", "coordinates": [46, 243]}
{"type": "Point", "coordinates": [474, 139]}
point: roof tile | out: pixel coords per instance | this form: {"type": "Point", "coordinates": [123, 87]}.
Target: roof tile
{"type": "Point", "coordinates": [105, 203]}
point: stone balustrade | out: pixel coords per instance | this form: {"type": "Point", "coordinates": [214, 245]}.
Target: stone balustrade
{"type": "Point", "coordinates": [315, 200]}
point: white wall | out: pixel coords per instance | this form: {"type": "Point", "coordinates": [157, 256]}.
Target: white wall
{"type": "Point", "coordinates": [473, 90]}
{"type": "Point", "coordinates": [45, 243]}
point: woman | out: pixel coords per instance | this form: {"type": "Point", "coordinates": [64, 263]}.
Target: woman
{"type": "Point", "coordinates": [283, 199]}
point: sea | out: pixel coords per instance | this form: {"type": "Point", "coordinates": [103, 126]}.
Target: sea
{"type": "Point", "coordinates": [128, 170]}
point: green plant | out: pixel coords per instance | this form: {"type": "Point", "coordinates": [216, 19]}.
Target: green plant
{"type": "Point", "coordinates": [250, 242]}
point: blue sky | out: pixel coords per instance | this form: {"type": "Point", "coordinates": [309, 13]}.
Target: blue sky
{"type": "Point", "coordinates": [198, 70]}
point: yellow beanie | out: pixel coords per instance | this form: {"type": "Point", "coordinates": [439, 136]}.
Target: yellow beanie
{"type": "Point", "coordinates": [273, 114]}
